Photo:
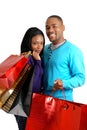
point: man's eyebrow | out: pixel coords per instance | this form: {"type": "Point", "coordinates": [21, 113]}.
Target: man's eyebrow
{"type": "Point", "coordinates": [52, 25]}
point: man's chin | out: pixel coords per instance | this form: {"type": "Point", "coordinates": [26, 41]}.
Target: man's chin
{"type": "Point", "coordinates": [52, 40]}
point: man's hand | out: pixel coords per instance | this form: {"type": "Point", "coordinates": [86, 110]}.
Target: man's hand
{"type": "Point", "coordinates": [57, 84]}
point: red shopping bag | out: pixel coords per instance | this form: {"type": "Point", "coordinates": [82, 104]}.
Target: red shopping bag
{"type": "Point", "coordinates": [48, 113]}
{"type": "Point", "coordinates": [10, 69]}
{"type": "Point", "coordinates": [83, 120]}
{"type": "Point", "coordinates": [19, 100]}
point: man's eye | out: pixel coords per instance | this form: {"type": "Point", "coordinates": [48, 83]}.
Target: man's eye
{"type": "Point", "coordinates": [47, 27]}
{"type": "Point", "coordinates": [55, 26]}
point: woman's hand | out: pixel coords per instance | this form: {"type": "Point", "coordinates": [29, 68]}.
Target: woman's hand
{"type": "Point", "coordinates": [36, 55]}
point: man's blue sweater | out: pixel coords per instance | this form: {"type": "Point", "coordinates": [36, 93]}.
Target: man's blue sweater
{"type": "Point", "coordinates": [66, 63]}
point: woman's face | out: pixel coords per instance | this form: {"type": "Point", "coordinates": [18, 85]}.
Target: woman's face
{"type": "Point", "coordinates": [37, 43]}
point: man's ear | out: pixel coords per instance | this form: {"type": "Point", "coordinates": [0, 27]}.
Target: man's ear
{"type": "Point", "coordinates": [63, 27]}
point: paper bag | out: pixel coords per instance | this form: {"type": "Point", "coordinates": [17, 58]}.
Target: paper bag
{"type": "Point", "coordinates": [48, 113]}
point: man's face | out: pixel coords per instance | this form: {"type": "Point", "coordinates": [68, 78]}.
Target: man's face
{"type": "Point", "coordinates": [54, 30]}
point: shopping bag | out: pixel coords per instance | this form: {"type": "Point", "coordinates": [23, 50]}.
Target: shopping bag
{"type": "Point", "coordinates": [48, 113]}
{"type": "Point", "coordinates": [15, 104]}
{"type": "Point", "coordinates": [9, 71]}
{"type": "Point", "coordinates": [16, 67]}
{"type": "Point", "coordinates": [83, 120]}
{"type": "Point", "coordinates": [23, 100]}
{"type": "Point", "coordinates": [14, 88]}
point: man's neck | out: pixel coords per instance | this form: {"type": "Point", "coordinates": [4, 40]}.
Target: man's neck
{"type": "Point", "coordinates": [54, 46]}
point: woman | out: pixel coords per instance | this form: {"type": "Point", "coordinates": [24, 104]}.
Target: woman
{"type": "Point", "coordinates": [33, 41]}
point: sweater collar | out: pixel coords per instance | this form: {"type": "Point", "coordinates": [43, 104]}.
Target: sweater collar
{"type": "Point", "coordinates": [52, 47]}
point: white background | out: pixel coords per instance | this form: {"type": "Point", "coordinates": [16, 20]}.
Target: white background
{"type": "Point", "coordinates": [16, 16]}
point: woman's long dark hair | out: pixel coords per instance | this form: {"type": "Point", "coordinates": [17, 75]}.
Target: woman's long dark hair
{"type": "Point", "coordinates": [26, 42]}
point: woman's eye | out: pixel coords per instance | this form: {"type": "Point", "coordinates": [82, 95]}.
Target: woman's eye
{"type": "Point", "coordinates": [34, 43]}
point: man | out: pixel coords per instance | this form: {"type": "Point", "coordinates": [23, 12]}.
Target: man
{"type": "Point", "coordinates": [63, 62]}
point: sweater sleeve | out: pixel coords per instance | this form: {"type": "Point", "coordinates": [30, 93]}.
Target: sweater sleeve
{"type": "Point", "coordinates": [77, 69]}
{"type": "Point", "coordinates": [30, 60]}
{"type": "Point", "coordinates": [37, 65]}
{"type": "Point", "coordinates": [38, 72]}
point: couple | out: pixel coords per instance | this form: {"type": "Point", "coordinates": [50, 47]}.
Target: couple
{"type": "Point", "coordinates": [60, 63]}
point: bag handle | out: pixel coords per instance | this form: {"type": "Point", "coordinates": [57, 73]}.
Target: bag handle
{"type": "Point", "coordinates": [63, 92]}
{"type": "Point", "coordinates": [65, 106]}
